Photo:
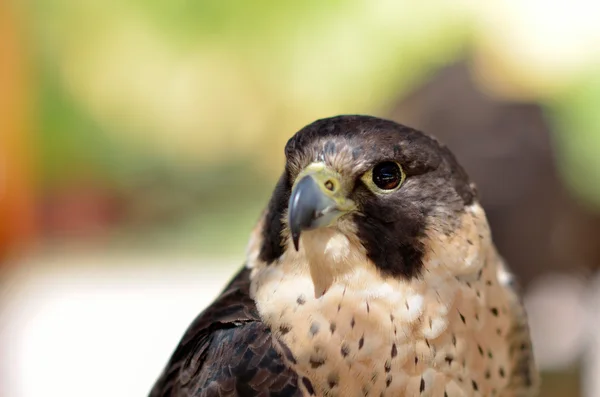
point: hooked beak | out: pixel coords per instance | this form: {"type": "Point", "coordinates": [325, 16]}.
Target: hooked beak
{"type": "Point", "coordinates": [316, 201]}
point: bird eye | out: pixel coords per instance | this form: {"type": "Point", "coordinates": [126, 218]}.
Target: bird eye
{"type": "Point", "coordinates": [384, 177]}
{"type": "Point", "coordinates": [387, 176]}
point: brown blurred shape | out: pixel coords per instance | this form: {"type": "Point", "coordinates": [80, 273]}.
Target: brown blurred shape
{"type": "Point", "coordinates": [506, 147]}
{"type": "Point", "coordinates": [16, 202]}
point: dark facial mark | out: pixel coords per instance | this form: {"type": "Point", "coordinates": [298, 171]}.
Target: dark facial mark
{"type": "Point", "coordinates": [480, 350]}
{"type": "Point", "coordinates": [285, 328]}
{"type": "Point", "coordinates": [368, 308]}
{"type": "Point", "coordinates": [396, 248]}
{"type": "Point", "coordinates": [416, 360]}
{"type": "Point", "coordinates": [501, 372]}
{"type": "Point", "coordinates": [332, 327]}
{"type": "Point", "coordinates": [308, 385]}
{"type": "Point", "coordinates": [475, 386]}
{"type": "Point", "coordinates": [272, 243]}
{"type": "Point", "coordinates": [388, 366]}
{"type": "Point", "coordinates": [488, 374]}
{"type": "Point", "coordinates": [388, 380]}
{"type": "Point", "coordinates": [361, 342]}
{"type": "Point", "coordinates": [494, 311]}
{"type": "Point", "coordinates": [422, 386]}
{"type": "Point", "coordinates": [462, 318]}
{"type": "Point", "coordinates": [339, 307]}
{"type": "Point", "coordinates": [490, 355]}
{"type": "Point", "coordinates": [449, 360]}
{"type": "Point", "coordinates": [353, 322]}
{"type": "Point", "coordinates": [301, 300]}
{"type": "Point", "coordinates": [454, 340]}
{"type": "Point", "coordinates": [394, 350]}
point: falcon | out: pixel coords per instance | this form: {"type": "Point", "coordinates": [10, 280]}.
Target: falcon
{"type": "Point", "coordinates": [372, 272]}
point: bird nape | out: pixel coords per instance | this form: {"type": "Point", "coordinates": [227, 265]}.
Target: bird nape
{"type": "Point", "coordinates": [372, 272]}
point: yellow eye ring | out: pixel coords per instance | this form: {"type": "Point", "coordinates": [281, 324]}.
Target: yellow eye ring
{"type": "Point", "coordinates": [385, 177]}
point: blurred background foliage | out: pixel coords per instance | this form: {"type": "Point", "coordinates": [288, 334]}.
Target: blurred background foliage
{"type": "Point", "coordinates": [188, 104]}
{"type": "Point", "coordinates": [159, 125]}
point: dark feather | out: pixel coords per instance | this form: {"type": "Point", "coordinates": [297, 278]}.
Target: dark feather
{"type": "Point", "coordinates": [227, 351]}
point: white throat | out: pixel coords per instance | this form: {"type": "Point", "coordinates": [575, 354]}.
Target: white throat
{"type": "Point", "coordinates": [348, 327]}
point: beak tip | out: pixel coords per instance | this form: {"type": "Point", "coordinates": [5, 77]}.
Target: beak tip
{"type": "Point", "coordinates": [296, 240]}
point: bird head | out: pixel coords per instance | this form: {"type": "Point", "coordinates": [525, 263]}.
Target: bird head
{"type": "Point", "coordinates": [387, 191]}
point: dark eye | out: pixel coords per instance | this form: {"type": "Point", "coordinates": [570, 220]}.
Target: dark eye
{"type": "Point", "coordinates": [387, 175]}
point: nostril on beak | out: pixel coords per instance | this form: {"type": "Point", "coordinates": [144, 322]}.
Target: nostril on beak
{"type": "Point", "coordinates": [329, 185]}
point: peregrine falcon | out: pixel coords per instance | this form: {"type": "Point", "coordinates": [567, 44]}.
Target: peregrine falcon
{"type": "Point", "coordinates": [372, 272]}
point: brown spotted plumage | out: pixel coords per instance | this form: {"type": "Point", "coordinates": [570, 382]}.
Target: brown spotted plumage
{"type": "Point", "coordinates": [371, 273]}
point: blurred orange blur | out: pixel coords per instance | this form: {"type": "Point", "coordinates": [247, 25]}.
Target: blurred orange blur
{"type": "Point", "coordinates": [16, 199]}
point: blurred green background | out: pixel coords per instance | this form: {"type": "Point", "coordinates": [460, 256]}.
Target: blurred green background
{"type": "Point", "coordinates": [188, 104]}
{"type": "Point", "coordinates": [159, 126]}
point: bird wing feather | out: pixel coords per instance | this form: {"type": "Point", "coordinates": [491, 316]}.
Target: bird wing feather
{"type": "Point", "coordinates": [227, 351]}
{"type": "Point", "coordinates": [524, 379]}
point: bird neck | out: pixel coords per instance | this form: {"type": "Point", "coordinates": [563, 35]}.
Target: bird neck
{"type": "Point", "coordinates": [345, 324]}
